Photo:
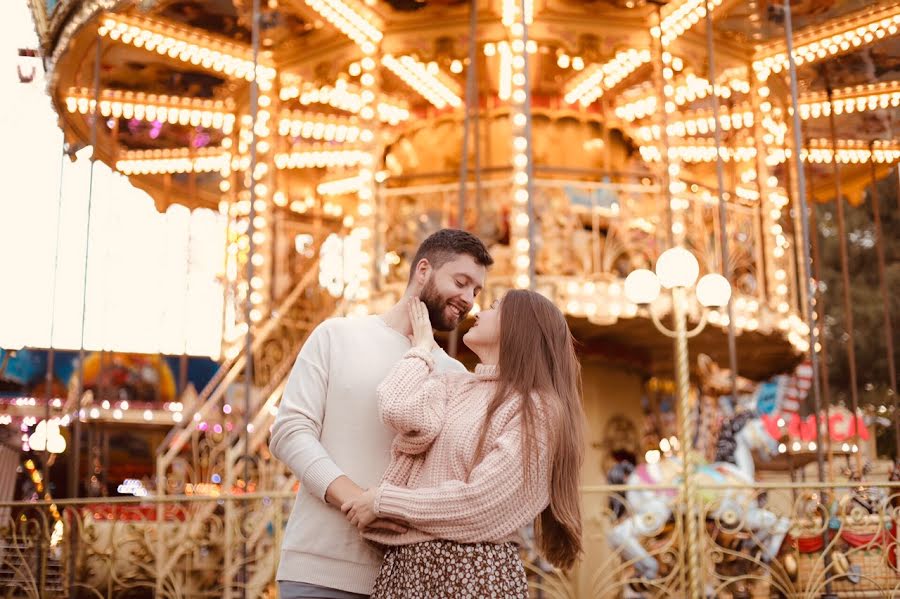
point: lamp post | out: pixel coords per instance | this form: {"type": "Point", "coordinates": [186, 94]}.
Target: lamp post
{"type": "Point", "coordinates": [677, 269]}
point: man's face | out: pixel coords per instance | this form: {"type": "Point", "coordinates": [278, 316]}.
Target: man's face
{"type": "Point", "coordinates": [450, 291]}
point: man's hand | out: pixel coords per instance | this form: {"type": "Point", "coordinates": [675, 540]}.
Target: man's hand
{"type": "Point", "coordinates": [388, 525]}
{"type": "Point", "coordinates": [343, 490]}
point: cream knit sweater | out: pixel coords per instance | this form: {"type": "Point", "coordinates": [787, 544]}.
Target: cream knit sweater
{"type": "Point", "coordinates": [435, 481]}
{"type": "Point", "coordinates": [327, 425]}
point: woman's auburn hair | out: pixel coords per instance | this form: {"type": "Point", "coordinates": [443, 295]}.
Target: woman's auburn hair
{"type": "Point", "coordinates": [537, 362]}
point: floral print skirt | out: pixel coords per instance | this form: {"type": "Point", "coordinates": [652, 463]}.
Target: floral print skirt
{"type": "Point", "coordinates": [438, 569]}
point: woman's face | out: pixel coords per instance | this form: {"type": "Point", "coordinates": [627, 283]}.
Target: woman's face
{"type": "Point", "coordinates": [485, 333]}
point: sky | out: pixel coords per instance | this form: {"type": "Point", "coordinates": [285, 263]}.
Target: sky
{"type": "Point", "coordinates": [153, 279]}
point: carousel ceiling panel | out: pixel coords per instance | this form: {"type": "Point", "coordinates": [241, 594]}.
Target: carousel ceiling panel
{"type": "Point", "coordinates": [879, 62]}
{"type": "Point", "coordinates": [215, 16]}
{"type": "Point", "coordinates": [762, 21]}
{"type": "Point", "coordinates": [232, 20]}
{"type": "Point", "coordinates": [413, 5]}
{"type": "Point", "coordinates": [128, 68]}
{"type": "Point", "coordinates": [134, 134]}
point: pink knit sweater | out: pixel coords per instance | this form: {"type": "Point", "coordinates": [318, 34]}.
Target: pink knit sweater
{"type": "Point", "coordinates": [435, 482]}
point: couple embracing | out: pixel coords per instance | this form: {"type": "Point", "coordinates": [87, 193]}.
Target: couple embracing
{"type": "Point", "coordinates": [415, 474]}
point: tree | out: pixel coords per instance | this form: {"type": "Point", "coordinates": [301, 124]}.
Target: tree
{"type": "Point", "coordinates": [868, 317]}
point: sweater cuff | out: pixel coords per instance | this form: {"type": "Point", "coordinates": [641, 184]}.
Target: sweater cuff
{"type": "Point", "coordinates": [425, 356]}
{"type": "Point", "coordinates": [391, 501]}
{"type": "Point", "coordinates": [319, 476]}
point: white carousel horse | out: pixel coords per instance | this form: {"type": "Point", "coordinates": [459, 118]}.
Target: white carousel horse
{"type": "Point", "coordinates": [652, 508]}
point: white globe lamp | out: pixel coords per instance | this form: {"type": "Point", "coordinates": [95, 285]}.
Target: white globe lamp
{"type": "Point", "coordinates": [641, 286]}
{"type": "Point", "coordinates": [677, 267]}
{"type": "Point", "coordinates": [713, 291]}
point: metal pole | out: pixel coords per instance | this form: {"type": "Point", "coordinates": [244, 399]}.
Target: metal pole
{"type": "Point", "coordinates": [885, 303]}
{"type": "Point", "coordinates": [845, 279]}
{"type": "Point", "coordinates": [476, 132]}
{"type": "Point", "coordinates": [248, 305]}
{"type": "Point", "coordinates": [467, 107]}
{"type": "Point", "coordinates": [453, 338]}
{"type": "Point", "coordinates": [51, 353]}
{"type": "Point", "coordinates": [529, 152]}
{"type": "Point", "coordinates": [79, 389]}
{"type": "Point", "coordinates": [723, 207]}
{"type": "Point", "coordinates": [820, 320]}
{"type": "Point", "coordinates": [807, 260]}
{"type": "Point", "coordinates": [686, 418]}
{"type": "Point", "coordinates": [659, 66]}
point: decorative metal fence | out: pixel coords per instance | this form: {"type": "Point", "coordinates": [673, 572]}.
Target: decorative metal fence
{"type": "Point", "coordinates": [794, 541]}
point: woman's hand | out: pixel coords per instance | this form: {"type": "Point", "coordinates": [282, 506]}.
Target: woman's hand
{"type": "Point", "coordinates": [360, 510]}
{"type": "Point", "coordinates": [422, 333]}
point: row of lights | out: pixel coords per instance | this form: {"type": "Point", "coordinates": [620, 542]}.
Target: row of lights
{"type": "Point", "coordinates": [882, 154]}
{"type": "Point", "coordinates": [427, 80]}
{"type": "Point", "coordinates": [703, 122]}
{"type": "Point", "coordinates": [521, 140]}
{"type": "Point", "coordinates": [604, 302]}
{"type": "Point", "coordinates": [261, 180]}
{"type": "Point", "coordinates": [689, 89]}
{"type": "Point", "coordinates": [590, 85]}
{"type": "Point", "coordinates": [699, 152]}
{"type": "Point", "coordinates": [321, 128]}
{"type": "Point", "coordinates": [184, 44]}
{"type": "Point", "coordinates": [819, 151]}
{"type": "Point", "coordinates": [321, 158]}
{"type": "Point", "coordinates": [339, 187]}
{"type": "Point", "coordinates": [676, 186]}
{"type": "Point", "coordinates": [179, 160]}
{"type": "Point", "coordinates": [362, 235]}
{"type": "Point", "coordinates": [811, 106]}
{"type": "Point", "coordinates": [216, 114]}
{"type": "Point", "coordinates": [346, 96]}
{"type": "Point", "coordinates": [512, 9]}
{"type": "Point", "coordinates": [679, 17]}
{"type": "Point", "coordinates": [352, 19]}
{"type": "Point", "coordinates": [851, 99]}
{"type": "Point", "coordinates": [504, 50]}
{"type": "Point", "coordinates": [831, 39]}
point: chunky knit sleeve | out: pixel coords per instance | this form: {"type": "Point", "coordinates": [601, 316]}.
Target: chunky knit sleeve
{"type": "Point", "coordinates": [496, 501]}
{"type": "Point", "coordinates": [412, 401]}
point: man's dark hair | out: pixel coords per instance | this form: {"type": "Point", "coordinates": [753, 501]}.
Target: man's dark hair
{"type": "Point", "coordinates": [447, 244]}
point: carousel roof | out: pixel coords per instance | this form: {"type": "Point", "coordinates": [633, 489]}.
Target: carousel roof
{"type": "Point", "coordinates": [590, 59]}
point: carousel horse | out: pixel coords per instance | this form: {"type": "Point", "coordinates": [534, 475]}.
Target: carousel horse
{"type": "Point", "coordinates": [739, 436]}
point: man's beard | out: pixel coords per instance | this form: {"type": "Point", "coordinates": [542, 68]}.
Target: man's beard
{"type": "Point", "coordinates": [436, 305]}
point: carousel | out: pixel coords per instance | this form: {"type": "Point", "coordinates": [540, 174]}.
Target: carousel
{"type": "Point", "coordinates": [650, 166]}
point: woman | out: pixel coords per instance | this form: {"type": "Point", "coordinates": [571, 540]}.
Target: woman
{"type": "Point", "coordinates": [480, 455]}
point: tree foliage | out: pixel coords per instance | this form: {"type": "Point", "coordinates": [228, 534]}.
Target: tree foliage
{"type": "Point", "coordinates": [869, 339]}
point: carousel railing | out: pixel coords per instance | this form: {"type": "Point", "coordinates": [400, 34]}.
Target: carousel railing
{"type": "Point", "coordinates": [205, 453]}
{"type": "Point", "coordinates": [772, 539]}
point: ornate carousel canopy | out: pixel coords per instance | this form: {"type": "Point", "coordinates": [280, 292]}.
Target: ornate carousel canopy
{"type": "Point", "coordinates": [174, 78]}
{"type": "Point", "coordinates": [355, 101]}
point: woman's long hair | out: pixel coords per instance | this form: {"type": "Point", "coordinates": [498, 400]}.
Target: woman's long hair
{"type": "Point", "coordinates": [537, 358]}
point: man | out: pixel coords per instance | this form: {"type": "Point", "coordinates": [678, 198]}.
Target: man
{"type": "Point", "coordinates": [328, 431]}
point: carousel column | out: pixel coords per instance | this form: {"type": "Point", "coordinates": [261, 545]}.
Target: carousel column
{"type": "Point", "coordinates": [665, 105]}
{"type": "Point", "coordinates": [723, 206]}
{"type": "Point", "coordinates": [769, 136]}
{"type": "Point", "coordinates": [522, 225]}
{"type": "Point", "coordinates": [365, 221]}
